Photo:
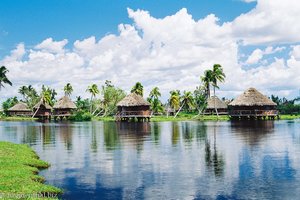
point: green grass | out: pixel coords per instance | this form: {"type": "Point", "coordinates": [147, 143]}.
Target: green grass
{"type": "Point", "coordinates": [192, 116]}
{"type": "Point", "coordinates": [15, 118]}
{"type": "Point", "coordinates": [106, 119]}
{"type": "Point", "coordinates": [19, 166]}
{"type": "Point", "coordinates": [289, 117]}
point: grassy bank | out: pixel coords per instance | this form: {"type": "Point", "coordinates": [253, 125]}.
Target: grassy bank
{"type": "Point", "coordinates": [191, 116]}
{"type": "Point", "coordinates": [19, 166]}
{"type": "Point", "coordinates": [15, 118]}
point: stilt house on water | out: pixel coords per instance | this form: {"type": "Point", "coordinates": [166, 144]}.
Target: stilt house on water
{"type": "Point", "coordinates": [214, 103]}
{"type": "Point", "coordinates": [63, 108]}
{"type": "Point", "coordinates": [42, 110]}
{"type": "Point", "coordinates": [133, 106]}
{"type": "Point", "coordinates": [20, 109]}
{"type": "Point", "coordinates": [252, 105]}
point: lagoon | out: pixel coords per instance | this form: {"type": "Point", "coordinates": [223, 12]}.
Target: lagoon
{"type": "Point", "coordinates": [166, 160]}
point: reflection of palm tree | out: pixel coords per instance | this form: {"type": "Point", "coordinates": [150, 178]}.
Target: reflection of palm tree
{"type": "Point", "coordinates": [111, 137]}
{"type": "Point", "coordinates": [187, 132]}
{"type": "Point", "coordinates": [94, 143]}
{"type": "Point", "coordinates": [175, 133]}
{"type": "Point", "coordinates": [156, 132]}
{"type": "Point", "coordinates": [213, 159]}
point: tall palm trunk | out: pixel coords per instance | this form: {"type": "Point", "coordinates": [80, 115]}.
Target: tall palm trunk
{"type": "Point", "coordinates": [91, 106]}
{"type": "Point", "coordinates": [215, 102]}
{"type": "Point", "coordinates": [179, 110]}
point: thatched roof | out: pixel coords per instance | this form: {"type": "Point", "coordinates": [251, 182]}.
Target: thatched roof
{"type": "Point", "coordinates": [133, 99]}
{"type": "Point", "coordinates": [252, 97]}
{"type": "Point", "coordinates": [42, 102]}
{"type": "Point", "coordinates": [19, 107]}
{"type": "Point", "coordinates": [215, 100]}
{"type": "Point", "coordinates": [64, 102]}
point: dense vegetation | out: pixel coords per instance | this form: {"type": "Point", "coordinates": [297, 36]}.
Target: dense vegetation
{"type": "Point", "coordinates": [102, 102]}
{"type": "Point", "coordinates": [287, 106]}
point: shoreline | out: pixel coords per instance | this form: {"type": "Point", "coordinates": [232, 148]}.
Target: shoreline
{"type": "Point", "coordinates": [162, 118]}
{"type": "Point", "coordinates": [19, 177]}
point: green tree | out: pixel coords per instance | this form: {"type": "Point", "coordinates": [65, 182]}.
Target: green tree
{"type": "Point", "coordinates": [48, 95]}
{"type": "Point", "coordinates": [207, 79]}
{"type": "Point", "coordinates": [93, 90]}
{"type": "Point", "coordinates": [68, 89]}
{"type": "Point", "coordinates": [153, 99]}
{"type": "Point", "coordinates": [111, 95]}
{"type": "Point", "coordinates": [3, 77]}
{"type": "Point", "coordinates": [138, 88]}
{"type": "Point", "coordinates": [174, 100]}
{"type": "Point", "coordinates": [217, 75]}
{"type": "Point", "coordinates": [23, 90]}
{"type": "Point", "coordinates": [187, 100]}
{"type": "Point", "coordinates": [10, 102]}
{"type": "Point", "coordinates": [200, 98]}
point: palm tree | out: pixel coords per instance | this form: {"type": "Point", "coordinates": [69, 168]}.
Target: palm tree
{"type": "Point", "coordinates": [155, 93]}
{"type": "Point", "coordinates": [68, 89]}
{"type": "Point", "coordinates": [207, 79]}
{"type": "Point", "coordinates": [23, 90]}
{"type": "Point", "coordinates": [153, 99]}
{"type": "Point", "coordinates": [93, 90]}
{"type": "Point", "coordinates": [174, 100]}
{"type": "Point", "coordinates": [217, 75]}
{"type": "Point", "coordinates": [187, 99]}
{"type": "Point", "coordinates": [138, 89]}
{"type": "Point", "coordinates": [3, 77]}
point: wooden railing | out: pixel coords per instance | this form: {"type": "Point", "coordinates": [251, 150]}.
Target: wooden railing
{"type": "Point", "coordinates": [254, 113]}
{"type": "Point", "coordinates": [134, 114]}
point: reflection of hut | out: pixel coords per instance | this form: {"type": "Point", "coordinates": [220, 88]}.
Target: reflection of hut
{"type": "Point", "coordinates": [42, 110]}
{"type": "Point", "coordinates": [20, 109]}
{"type": "Point", "coordinates": [252, 104]}
{"type": "Point", "coordinates": [252, 131]}
{"type": "Point", "coordinates": [213, 104]}
{"type": "Point", "coordinates": [63, 107]}
{"type": "Point", "coordinates": [133, 106]}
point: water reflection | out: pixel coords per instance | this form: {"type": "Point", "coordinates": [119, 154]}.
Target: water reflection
{"type": "Point", "coordinates": [167, 160]}
{"type": "Point", "coordinates": [253, 131]}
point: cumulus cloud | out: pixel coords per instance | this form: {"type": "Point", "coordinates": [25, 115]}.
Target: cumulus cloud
{"type": "Point", "coordinates": [170, 52]}
{"type": "Point", "coordinates": [258, 54]}
{"type": "Point", "coordinates": [270, 22]}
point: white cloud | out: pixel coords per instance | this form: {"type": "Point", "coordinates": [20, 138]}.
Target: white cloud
{"type": "Point", "coordinates": [170, 52]}
{"type": "Point", "coordinates": [271, 22]}
{"type": "Point", "coordinates": [258, 54]}
{"type": "Point", "coordinates": [249, 1]}
{"type": "Point", "coordinates": [295, 53]}
{"type": "Point", "coordinates": [52, 46]}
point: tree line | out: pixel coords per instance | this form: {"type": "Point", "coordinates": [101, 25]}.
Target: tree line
{"type": "Point", "coordinates": [103, 100]}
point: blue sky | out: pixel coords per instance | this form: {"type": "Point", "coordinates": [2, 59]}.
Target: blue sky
{"type": "Point", "coordinates": [160, 43]}
{"type": "Point", "coordinates": [33, 21]}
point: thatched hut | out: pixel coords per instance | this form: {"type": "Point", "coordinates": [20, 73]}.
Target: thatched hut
{"type": "Point", "coordinates": [133, 106]}
{"type": "Point", "coordinates": [252, 104]}
{"type": "Point", "coordinates": [63, 107]}
{"type": "Point", "coordinates": [213, 104]}
{"type": "Point", "coordinates": [20, 109]}
{"type": "Point", "coordinates": [42, 110]}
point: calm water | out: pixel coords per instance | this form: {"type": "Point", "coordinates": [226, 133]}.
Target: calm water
{"type": "Point", "coordinates": [167, 160]}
